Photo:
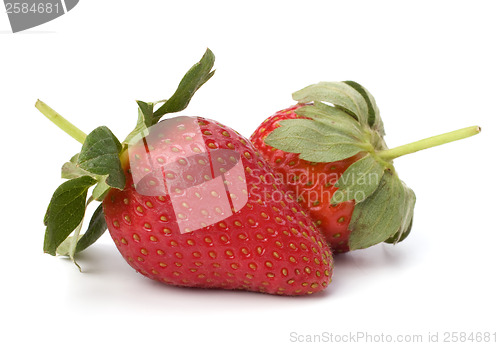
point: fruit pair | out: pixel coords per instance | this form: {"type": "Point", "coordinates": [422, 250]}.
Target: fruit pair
{"type": "Point", "coordinates": [190, 202]}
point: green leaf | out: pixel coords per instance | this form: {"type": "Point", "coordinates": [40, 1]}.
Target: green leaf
{"type": "Point", "coordinates": [190, 83]}
{"type": "Point", "coordinates": [96, 229]}
{"type": "Point", "coordinates": [400, 236]}
{"type": "Point", "coordinates": [100, 190]}
{"type": "Point", "coordinates": [146, 110]}
{"type": "Point", "coordinates": [101, 155]}
{"type": "Point", "coordinates": [65, 211]}
{"type": "Point", "coordinates": [144, 120]}
{"type": "Point", "coordinates": [65, 248]}
{"type": "Point", "coordinates": [338, 94]}
{"type": "Point", "coordinates": [359, 181]}
{"type": "Point", "coordinates": [332, 116]}
{"type": "Point", "coordinates": [387, 213]}
{"type": "Point", "coordinates": [315, 141]}
{"type": "Point", "coordinates": [374, 119]}
{"type": "Point", "coordinates": [70, 170]}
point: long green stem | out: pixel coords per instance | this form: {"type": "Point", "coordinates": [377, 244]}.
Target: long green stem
{"type": "Point", "coordinates": [430, 142]}
{"type": "Point", "coordinates": [61, 122]}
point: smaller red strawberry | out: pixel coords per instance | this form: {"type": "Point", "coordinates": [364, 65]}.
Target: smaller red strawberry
{"type": "Point", "coordinates": [313, 183]}
{"type": "Point", "coordinates": [189, 202]}
{"type": "Point", "coordinates": [330, 151]}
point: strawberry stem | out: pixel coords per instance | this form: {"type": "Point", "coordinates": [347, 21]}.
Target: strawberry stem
{"type": "Point", "coordinates": [61, 122]}
{"type": "Point", "coordinates": [430, 142]}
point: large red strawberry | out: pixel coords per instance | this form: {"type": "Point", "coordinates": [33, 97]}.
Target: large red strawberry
{"type": "Point", "coordinates": [330, 151]}
{"type": "Point", "coordinates": [188, 202]}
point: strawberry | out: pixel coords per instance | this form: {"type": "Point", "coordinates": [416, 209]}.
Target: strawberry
{"type": "Point", "coordinates": [313, 183]}
{"type": "Point", "coordinates": [329, 149]}
{"type": "Point", "coordinates": [188, 202]}
{"type": "Point", "coordinates": [192, 236]}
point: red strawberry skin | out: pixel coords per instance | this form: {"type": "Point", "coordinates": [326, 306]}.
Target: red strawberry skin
{"type": "Point", "coordinates": [311, 183]}
{"type": "Point", "coordinates": [261, 240]}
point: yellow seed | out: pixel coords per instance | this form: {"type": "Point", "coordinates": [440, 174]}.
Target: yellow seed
{"type": "Point", "coordinates": [160, 252]}
{"type": "Point", "coordinates": [147, 225]}
{"type": "Point", "coordinates": [124, 241]}
{"type": "Point", "coordinates": [163, 218]}
{"type": "Point", "coordinates": [153, 238]}
{"type": "Point", "coordinates": [116, 224]}
{"type": "Point", "coordinates": [136, 237]}
{"type": "Point", "coordinates": [163, 265]}
{"type": "Point", "coordinates": [167, 231]}
{"type": "Point", "coordinates": [144, 251]}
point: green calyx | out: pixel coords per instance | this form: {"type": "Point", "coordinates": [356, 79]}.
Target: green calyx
{"type": "Point", "coordinates": [340, 120]}
{"type": "Point", "coordinates": [98, 165]}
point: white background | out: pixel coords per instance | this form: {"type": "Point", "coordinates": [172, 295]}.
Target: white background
{"type": "Point", "coordinates": [433, 66]}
